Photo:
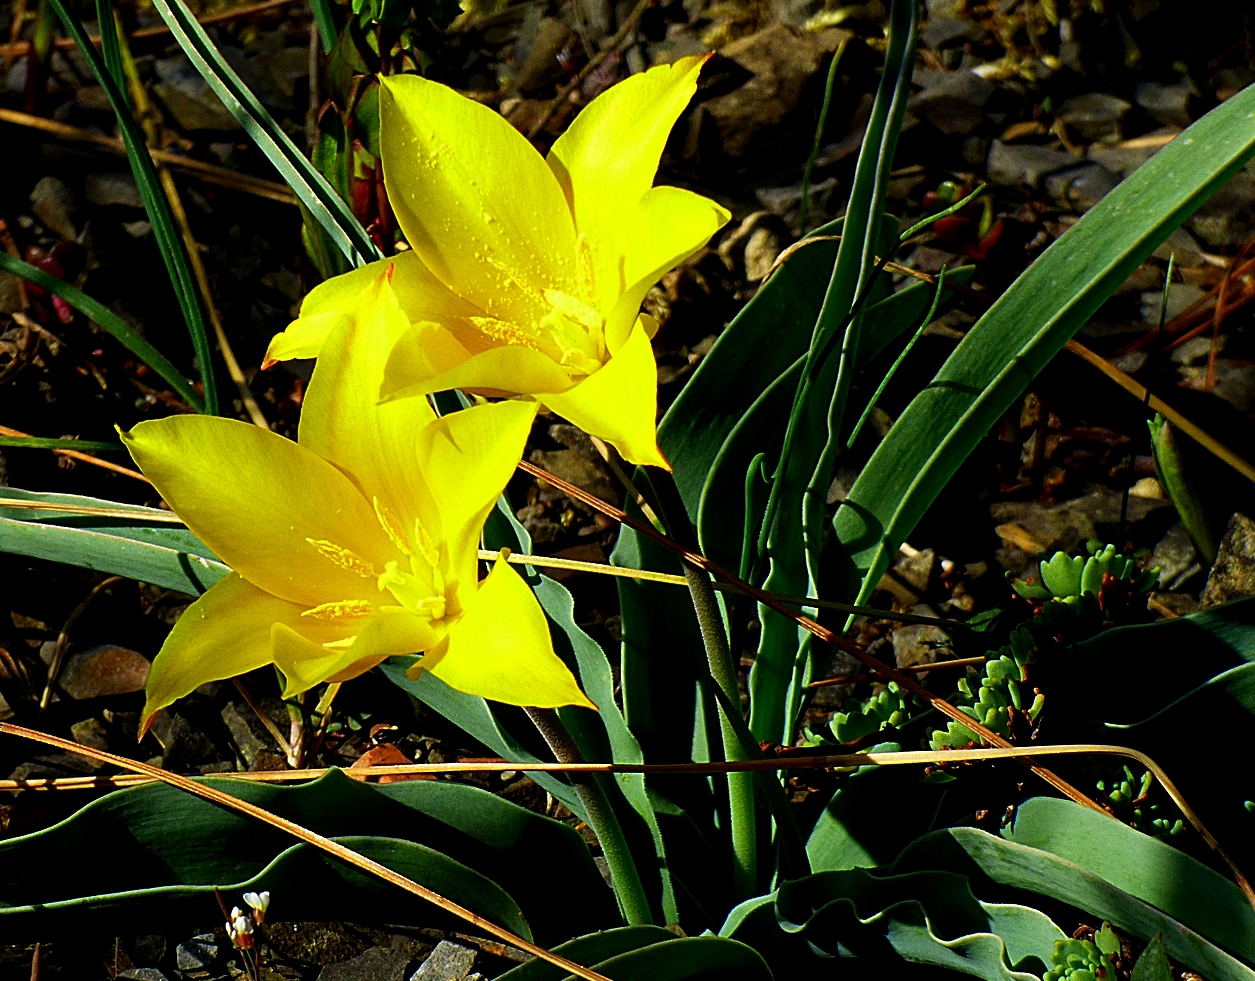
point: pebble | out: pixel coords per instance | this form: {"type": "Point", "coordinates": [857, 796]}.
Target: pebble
{"type": "Point", "coordinates": [1095, 116]}
{"type": "Point", "coordinates": [102, 671]}
{"type": "Point", "coordinates": [1233, 575]}
{"type": "Point", "coordinates": [1010, 164]}
{"type": "Point", "coordinates": [197, 954]}
{"type": "Point", "coordinates": [1080, 188]}
{"type": "Point", "coordinates": [1168, 103]}
{"type": "Point", "coordinates": [55, 205]}
{"type": "Point", "coordinates": [448, 962]}
{"type": "Point", "coordinates": [375, 964]}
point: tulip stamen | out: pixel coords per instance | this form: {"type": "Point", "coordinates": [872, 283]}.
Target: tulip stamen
{"type": "Point", "coordinates": [343, 558]}
{"type": "Point", "coordinates": [392, 529]}
{"type": "Point", "coordinates": [341, 610]}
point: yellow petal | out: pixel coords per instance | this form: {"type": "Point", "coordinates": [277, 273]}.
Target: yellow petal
{"type": "Point", "coordinates": [620, 402]}
{"type": "Point", "coordinates": [259, 500]}
{"type": "Point", "coordinates": [668, 225]}
{"type": "Point", "coordinates": [421, 295]}
{"type": "Point", "coordinates": [501, 649]}
{"type": "Point", "coordinates": [475, 200]}
{"type": "Point", "coordinates": [305, 662]}
{"type": "Point", "coordinates": [499, 370]}
{"type": "Point", "coordinates": [606, 162]}
{"type": "Point", "coordinates": [466, 459]}
{"type": "Point", "coordinates": [223, 634]}
{"type": "Point", "coordinates": [342, 420]}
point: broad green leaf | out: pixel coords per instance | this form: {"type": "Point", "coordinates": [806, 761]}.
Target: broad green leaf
{"type": "Point", "coordinates": [687, 959]}
{"type": "Point", "coordinates": [109, 322]}
{"type": "Point", "coordinates": [165, 232]}
{"type": "Point", "coordinates": [161, 554]}
{"type": "Point", "coordinates": [592, 949]}
{"type": "Point", "coordinates": [1025, 328]}
{"type": "Point", "coordinates": [311, 189]}
{"type": "Point", "coordinates": [1142, 866]}
{"type": "Point", "coordinates": [1153, 964]}
{"type": "Point", "coordinates": [873, 815]}
{"type": "Point", "coordinates": [155, 853]}
{"type": "Point", "coordinates": [921, 917]}
{"type": "Point", "coordinates": [990, 862]}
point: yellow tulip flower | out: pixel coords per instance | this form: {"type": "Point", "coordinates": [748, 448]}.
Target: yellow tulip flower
{"type": "Point", "coordinates": [526, 274]}
{"type": "Point", "coordinates": [355, 543]}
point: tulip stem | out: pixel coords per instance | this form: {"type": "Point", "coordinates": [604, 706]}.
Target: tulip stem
{"type": "Point", "coordinates": [744, 820]}
{"type": "Point", "coordinates": [624, 878]}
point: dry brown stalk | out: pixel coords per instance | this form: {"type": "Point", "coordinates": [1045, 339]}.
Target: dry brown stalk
{"type": "Point", "coordinates": [73, 455]}
{"type": "Point", "coordinates": [157, 30]}
{"type": "Point", "coordinates": [816, 629]}
{"type": "Point", "coordinates": [210, 173]}
{"type": "Point", "coordinates": [334, 848]}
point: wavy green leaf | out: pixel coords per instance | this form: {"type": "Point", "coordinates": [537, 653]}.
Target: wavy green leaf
{"type": "Point", "coordinates": [1025, 328]}
{"type": "Point", "coordinates": [155, 853]}
{"type": "Point", "coordinates": [595, 948]}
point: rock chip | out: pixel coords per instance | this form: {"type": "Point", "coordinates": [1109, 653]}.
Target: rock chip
{"type": "Point", "coordinates": [197, 954]}
{"type": "Point", "coordinates": [1124, 158]}
{"type": "Point", "coordinates": [1176, 558]}
{"type": "Point", "coordinates": [575, 468]}
{"type": "Point", "coordinates": [448, 962]}
{"type": "Point", "coordinates": [1228, 217]}
{"type": "Point", "coordinates": [918, 643]}
{"type": "Point", "coordinates": [55, 205]}
{"type": "Point", "coordinates": [781, 62]}
{"type": "Point", "coordinates": [1168, 103]}
{"type": "Point", "coordinates": [1080, 188]}
{"type": "Point", "coordinates": [1095, 116]}
{"type": "Point", "coordinates": [1233, 575]}
{"type": "Point", "coordinates": [375, 964]}
{"type": "Point", "coordinates": [951, 101]}
{"type": "Point", "coordinates": [1011, 164]}
{"type": "Point", "coordinates": [103, 671]}
{"type": "Point", "coordinates": [141, 974]}
{"type": "Point", "coordinates": [112, 187]}
{"type": "Point", "coordinates": [188, 98]}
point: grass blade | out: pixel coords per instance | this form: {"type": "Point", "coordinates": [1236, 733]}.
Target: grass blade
{"type": "Point", "coordinates": [327, 33]}
{"type": "Point", "coordinates": [1025, 328]}
{"type": "Point", "coordinates": [38, 443]}
{"type": "Point", "coordinates": [155, 205]}
{"type": "Point", "coordinates": [318, 197]}
{"type": "Point", "coordinates": [108, 321]}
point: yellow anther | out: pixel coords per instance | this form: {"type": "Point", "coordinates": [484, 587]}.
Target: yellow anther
{"type": "Point", "coordinates": [432, 606]}
{"type": "Point", "coordinates": [391, 528]}
{"type": "Point", "coordinates": [504, 331]}
{"type": "Point", "coordinates": [341, 610]}
{"type": "Point", "coordinates": [343, 558]}
{"type": "Point", "coordinates": [427, 548]}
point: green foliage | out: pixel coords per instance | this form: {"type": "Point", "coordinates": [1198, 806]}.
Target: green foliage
{"type": "Point", "coordinates": [1067, 578]}
{"type": "Point", "coordinates": [1079, 960]}
{"type": "Point", "coordinates": [888, 707]}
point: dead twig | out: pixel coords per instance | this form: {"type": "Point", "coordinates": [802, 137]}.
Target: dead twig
{"type": "Point", "coordinates": [914, 668]}
{"type": "Point", "coordinates": [275, 733]}
{"type": "Point", "coordinates": [73, 455]}
{"type": "Point", "coordinates": [210, 173]}
{"type": "Point", "coordinates": [620, 38]}
{"type": "Point", "coordinates": [63, 639]}
{"type": "Point", "coordinates": [15, 47]}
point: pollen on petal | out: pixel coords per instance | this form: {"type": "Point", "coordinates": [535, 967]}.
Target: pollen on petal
{"type": "Point", "coordinates": [342, 557]}
{"type": "Point", "coordinates": [504, 332]}
{"type": "Point", "coordinates": [392, 528]}
{"type": "Point", "coordinates": [341, 610]}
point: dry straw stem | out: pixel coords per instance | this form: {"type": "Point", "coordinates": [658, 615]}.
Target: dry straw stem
{"type": "Point", "coordinates": [791, 761]}
{"type": "Point", "coordinates": [309, 837]}
{"type": "Point", "coordinates": [158, 30]}
{"type": "Point", "coordinates": [903, 679]}
{"type": "Point", "coordinates": [1138, 390]}
{"type": "Point", "coordinates": [210, 173]}
{"type": "Point", "coordinates": [73, 455]}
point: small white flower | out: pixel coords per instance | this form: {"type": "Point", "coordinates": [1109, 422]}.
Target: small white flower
{"type": "Point", "coordinates": [240, 929]}
{"type": "Point", "coordinates": [259, 902]}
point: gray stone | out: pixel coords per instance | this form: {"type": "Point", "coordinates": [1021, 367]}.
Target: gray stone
{"type": "Point", "coordinates": [197, 954]}
{"type": "Point", "coordinates": [246, 740]}
{"type": "Point", "coordinates": [951, 101]}
{"type": "Point", "coordinates": [55, 205]}
{"type": "Point", "coordinates": [1080, 188]}
{"type": "Point", "coordinates": [1189, 254]}
{"type": "Point", "coordinates": [762, 249]}
{"type": "Point", "coordinates": [1176, 558]}
{"type": "Point", "coordinates": [1196, 349]}
{"type": "Point", "coordinates": [375, 964]}
{"type": "Point", "coordinates": [1179, 297]}
{"type": "Point", "coordinates": [111, 188]}
{"type": "Point", "coordinates": [786, 202]}
{"type": "Point", "coordinates": [448, 962]}
{"type": "Point", "coordinates": [149, 949]}
{"type": "Point", "coordinates": [917, 570]}
{"type": "Point", "coordinates": [188, 97]}
{"type": "Point", "coordinates": [91, 732]}
{"type": "Point", "coordinates": [1124, 158]}
{"type": "Point", "coordinates": [1094, 116]}
{"type": "Point", "coordinates": [141, 974]}
{"type": "Point", "coordinates": [937, 32]}
{"type": "Point", "coordinates": [918, 643]}
{"type": "Point", "coordinates": [1010, 164]}
{"type": "Point", "coordinates": [1233, 575]}
{"type": "Point", "coordinates": [1235, 383]}
{"type": "Point", "coordinates": [1168, 103]}
{"type": "Point", "coordinates": [1228, 218]}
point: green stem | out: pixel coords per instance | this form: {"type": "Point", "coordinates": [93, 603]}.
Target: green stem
{"type": "Point", "coordinates": [744, 822]}
{"type": "Point", "coordinates": [819, 135]}
{"type": "Point", "coordinates": [624, 878]}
